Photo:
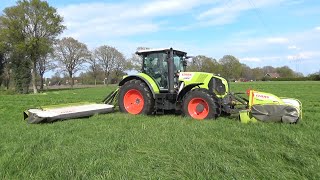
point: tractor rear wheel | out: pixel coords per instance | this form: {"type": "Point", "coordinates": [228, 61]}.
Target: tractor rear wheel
{"type": "Point", "coordinates": [135, 98]}
{"type": "Point", "coordinates": [200, 104]}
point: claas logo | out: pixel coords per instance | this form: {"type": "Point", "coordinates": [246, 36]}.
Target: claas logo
{"type": "Point", "coordinates": [261, 96]}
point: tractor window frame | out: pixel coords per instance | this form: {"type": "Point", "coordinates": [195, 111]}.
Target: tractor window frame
{"type": "Point", "coordinates": [179, 65]}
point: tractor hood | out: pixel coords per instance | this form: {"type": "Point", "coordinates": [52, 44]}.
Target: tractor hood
{"type": "Point", "coordinates": [209, 81]}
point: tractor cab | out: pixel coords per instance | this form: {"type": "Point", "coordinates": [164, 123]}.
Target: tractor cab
{"type": "Point", "coordinates": [162, 64]}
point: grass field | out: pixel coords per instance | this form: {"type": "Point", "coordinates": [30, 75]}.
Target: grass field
{"type": "Point", "coordinates": [121, 146]}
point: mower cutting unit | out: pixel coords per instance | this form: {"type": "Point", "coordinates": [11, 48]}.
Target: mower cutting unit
{"type": "Point", "coordinates": [163, 86]}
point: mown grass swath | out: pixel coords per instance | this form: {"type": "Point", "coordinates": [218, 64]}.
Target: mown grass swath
{"type": "Point", "coordinates": [119, 145]}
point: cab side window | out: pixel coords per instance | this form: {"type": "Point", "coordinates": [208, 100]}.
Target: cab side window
{"type": "Point", "coordinates": [156, 66]}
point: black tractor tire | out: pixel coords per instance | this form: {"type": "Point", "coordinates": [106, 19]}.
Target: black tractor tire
{"type": "Point", "coordinates": [136, 86]}
{"type": "Point", "coordinates": [201, 104]}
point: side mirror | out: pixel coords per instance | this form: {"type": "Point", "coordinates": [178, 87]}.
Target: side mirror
{"type": "Point", "coordinates": [185, 63]}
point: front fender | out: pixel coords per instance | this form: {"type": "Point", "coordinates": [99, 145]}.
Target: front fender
{"type": "Point", "coordinates": [187, 89]}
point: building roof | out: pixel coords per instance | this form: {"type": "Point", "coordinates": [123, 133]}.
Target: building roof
{"type": "Point", "coordinates": [273, 75]}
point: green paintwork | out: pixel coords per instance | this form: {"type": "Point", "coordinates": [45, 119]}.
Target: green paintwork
{"type": "Point", "coordinates": [257, 97]}
{"type": "Point", "coordinates": [201, 77]}
{"type": "Point", "coordinates": [246, 117]}
{"type": "Point", "coordinates": [154, 87]}
{"type": "Point", "coordinates": [153, 84]}
{"type": "Point", "coordinates": [188, 78]}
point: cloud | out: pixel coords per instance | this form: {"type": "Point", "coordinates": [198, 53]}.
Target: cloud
{"type": "Point", "coordinates": [115, 19]}
{"type": "Point", "coordinates": [295, 2]}
{"type": "Point", "coordinates": [277, 40]}
{"type": "Point", "coordinates": [262, 59]}
{"type": "Point", "coordinates": [317, 28]}
{"type": "Point", "coordinates": [102, 20]}
{"type": "Point", "coordinates": [304, 55]}
{"type": "Point", "coordinates": [109, 20]}
{"type": "Point", "coordinates": [294, 47]}
{"type": "Point", "coordinates": [250, 59]}
{"type": "Point", "coordinates": [228, 11]}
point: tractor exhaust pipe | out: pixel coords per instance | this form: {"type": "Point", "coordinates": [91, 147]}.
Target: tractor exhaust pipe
{"type": "Point", "coordinates": [171, 73]}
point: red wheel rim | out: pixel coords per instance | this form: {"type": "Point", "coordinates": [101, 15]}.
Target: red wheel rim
{"type": "Point", "coordinates": [133, 101]}
{"type": "Point", "coordinates": [198, 108]}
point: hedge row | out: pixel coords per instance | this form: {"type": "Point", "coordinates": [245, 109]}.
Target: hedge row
{"type": "Point", "coordinates": [309, 78]}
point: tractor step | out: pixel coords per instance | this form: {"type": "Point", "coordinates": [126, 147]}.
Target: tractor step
{"type": "Point", "coordinates": [35, 116]}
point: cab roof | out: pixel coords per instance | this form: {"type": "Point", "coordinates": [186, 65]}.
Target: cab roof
{"type": "Point", "coordinates": [147, 51]}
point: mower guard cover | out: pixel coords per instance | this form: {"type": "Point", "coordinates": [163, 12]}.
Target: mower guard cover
{"type": "Point", "coordinates": [275, 113]}
{"type": "Point", "coordinates": [34, 116]}
{"type": "Point", "coordinates": [267, 107]}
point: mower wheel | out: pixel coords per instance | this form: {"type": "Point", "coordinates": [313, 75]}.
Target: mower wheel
{"type": "Point", "coordinates": [135, 98]}
{"type": "Point", "coordinates": [200, 104]}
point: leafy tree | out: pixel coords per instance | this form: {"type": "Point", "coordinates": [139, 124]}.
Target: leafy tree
{"type": "Point", "coordinates": [6, 76]}
{"type": "Point", "coordinates": [2, 64]}
{"type": "Point", "coordinates": [258, 73]}
{"type": "Point", "coordinates": [21, 71]}
{"type": "Point", "coordinates": [71, 55]}
{"type": "Point", "coordinates": [285, 72]}
{"type": "Point", "coordinates": [315, 76]}
{"type": "Point", "coordinates": [13, 45]}
{"type": "Point", "coordinates": [246, 72]}
{"type": "Point", "coordinates": [32, 26]}
{"type": "Point", "coordinates": [3, 53]}
{"type": "Point", "coordinates": [231, 67]}
{"type": "Point", "coordinates": [202, 63]}
{"type": "Point", "coordinates": [268, 69]}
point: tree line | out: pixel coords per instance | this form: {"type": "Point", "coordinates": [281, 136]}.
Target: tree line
{"type": "Point", "coordinates": [232, 69]}
{"type": "Point", "coordinates": [30, 47]}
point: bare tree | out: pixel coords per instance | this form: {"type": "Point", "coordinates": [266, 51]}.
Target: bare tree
{"type": "Point", "coordinates": [71, 54]}
{"type": "Point", "coordinates": [135, 62]}
{"type": "Point", "coordinates": [94, 66]}
{"type": "Point", "coordinates": [121, 64]}
{"type": "Point", "coordinates": [106, 55]}
{"type": "Point", "coordinates": [44, 64]}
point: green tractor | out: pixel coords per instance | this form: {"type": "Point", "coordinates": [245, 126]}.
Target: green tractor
{"type": "Point", "coordinates": [164, 86]}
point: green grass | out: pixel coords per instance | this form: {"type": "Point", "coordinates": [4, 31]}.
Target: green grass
{"type": "Point", "coordinates": [123, 146]}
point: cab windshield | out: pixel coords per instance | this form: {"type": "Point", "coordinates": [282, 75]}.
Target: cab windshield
{"type": "Point", "coordinates": [178, 63]}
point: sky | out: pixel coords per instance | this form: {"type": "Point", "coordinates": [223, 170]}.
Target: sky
{"type": "Point", "coordinates": [258, 32]}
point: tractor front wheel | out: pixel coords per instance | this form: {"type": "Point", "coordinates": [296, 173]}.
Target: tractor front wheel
{"type": "Point", "coordinates": [200, 104]}
{"type": "Point", "coordinates": [135, 98]}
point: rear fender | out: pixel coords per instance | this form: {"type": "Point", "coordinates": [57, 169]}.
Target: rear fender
{"type": "Point", "coordinates": [144, 78]}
